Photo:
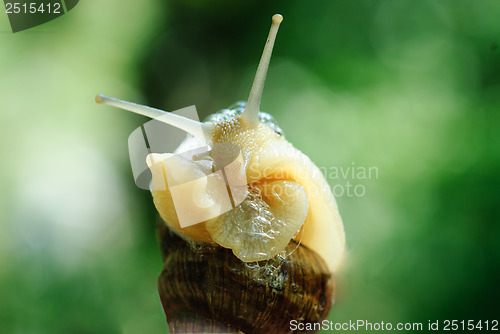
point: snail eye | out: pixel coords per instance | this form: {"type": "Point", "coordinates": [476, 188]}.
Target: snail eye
{"type": "Point", "coordinates": [237, 109]}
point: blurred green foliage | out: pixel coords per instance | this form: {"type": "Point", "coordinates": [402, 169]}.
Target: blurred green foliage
{"type": "Point", "coordinates": [409, 87]}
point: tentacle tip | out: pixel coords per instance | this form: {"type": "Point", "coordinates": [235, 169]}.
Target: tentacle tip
{"type": "Point", "coordinates": [99, 98]}
{"type": "Point", "coordinates": [277, 18]}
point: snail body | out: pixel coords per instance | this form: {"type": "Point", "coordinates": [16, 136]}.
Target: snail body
{"type": "Point", "coordinates": [292, 189]}
{"type": "Point", "coordinates": [253, 199]}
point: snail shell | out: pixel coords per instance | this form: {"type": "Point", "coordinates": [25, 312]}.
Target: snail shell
{"type": "Point", "coordinates": [208, 289]}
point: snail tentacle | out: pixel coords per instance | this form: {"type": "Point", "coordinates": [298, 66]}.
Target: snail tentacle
{"type": "Point", "coordinates": [251, 113]}
{"type": "Point", "coordinates": [189, 125]}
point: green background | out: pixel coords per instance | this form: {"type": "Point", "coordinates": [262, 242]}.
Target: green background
{"type": "Point", "coordinates": [409, 87]}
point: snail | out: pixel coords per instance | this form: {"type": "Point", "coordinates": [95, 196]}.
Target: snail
{"type": "Point", "coordinates": [265, 232]}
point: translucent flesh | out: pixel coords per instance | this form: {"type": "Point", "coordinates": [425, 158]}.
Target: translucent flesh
{"type": "Point", "coordinates": [263, 225]}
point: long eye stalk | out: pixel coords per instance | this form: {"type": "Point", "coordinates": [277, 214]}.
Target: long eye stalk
{"type": "Point", "coordinates": [251, 113]}
{"type": "Point", "coordinates": [190, 126]}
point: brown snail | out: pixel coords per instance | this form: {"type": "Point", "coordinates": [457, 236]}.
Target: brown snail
{"type": "Point", "coordinates": [260, 257]}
